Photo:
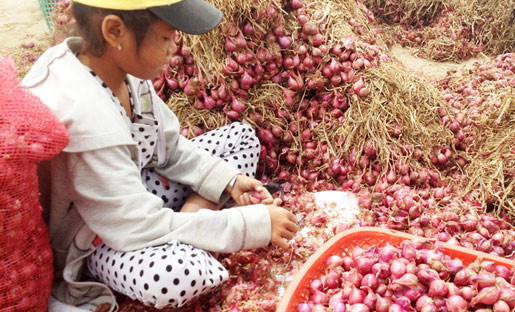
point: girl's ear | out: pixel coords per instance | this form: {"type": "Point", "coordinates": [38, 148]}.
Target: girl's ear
{"type": "Point", "coordinates": [114, 30]}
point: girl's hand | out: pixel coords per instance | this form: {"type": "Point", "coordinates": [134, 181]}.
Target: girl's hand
{"type": "Point", "coordinates": [249, 191]}
{"type": "Point", "coordinates": [284, 225]}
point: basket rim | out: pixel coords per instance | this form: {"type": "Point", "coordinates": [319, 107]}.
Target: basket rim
{"type": "Point", "coordinates": [46, 7]}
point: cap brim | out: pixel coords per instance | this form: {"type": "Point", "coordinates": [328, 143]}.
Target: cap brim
{"type": "Point", "coordinates": [194, 17]}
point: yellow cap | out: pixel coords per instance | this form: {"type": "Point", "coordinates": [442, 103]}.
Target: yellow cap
{"type": "Point", "coordinates": [190, 16]}
{"type": "Point", "coordinates": [126, 4]}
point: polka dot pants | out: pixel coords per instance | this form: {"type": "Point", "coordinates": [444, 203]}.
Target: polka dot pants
{"type": "Point", "coordinates": [235, 143]}
{"type": "Point", "coordinates": [163, 276]}
{"type": "Point", "coordinates": [171, 275]}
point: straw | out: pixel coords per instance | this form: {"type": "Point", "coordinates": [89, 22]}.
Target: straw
{"type": "Point", "coordinates": [448, 30]}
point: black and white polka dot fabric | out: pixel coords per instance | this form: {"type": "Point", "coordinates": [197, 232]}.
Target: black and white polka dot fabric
{"type": "Point", "coordinates": [146, 274]}
{"type": "Point", "coordinates": [170, 275]}
{"type": "Point", "coordinates": [143, 126]}
{"type": "Point", "coordinates": [235, 143]}
{"type": "Point", "coordinates": [144, 131]}
{"type": "Point", "coordinates": [161, 276]}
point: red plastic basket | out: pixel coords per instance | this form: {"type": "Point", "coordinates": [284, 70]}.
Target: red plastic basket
{"type": "Point", "coordinates": [346, 241]}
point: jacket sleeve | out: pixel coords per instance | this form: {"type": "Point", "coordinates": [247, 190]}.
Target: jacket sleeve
{"type": "Point", "coordinates": [190, 165]}
{"type": "Point", "coordinates": [114, 203]}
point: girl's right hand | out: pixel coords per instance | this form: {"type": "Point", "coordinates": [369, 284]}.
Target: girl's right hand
{"type": "Point", "coordinates": [284, 225]}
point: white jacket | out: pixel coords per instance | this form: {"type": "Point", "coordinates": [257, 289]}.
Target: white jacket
{"type": "Point", "coordinates": [94, 186]}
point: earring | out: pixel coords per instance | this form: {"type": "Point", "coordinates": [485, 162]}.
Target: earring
{"type": "Point", "coordinates": [119, 47]}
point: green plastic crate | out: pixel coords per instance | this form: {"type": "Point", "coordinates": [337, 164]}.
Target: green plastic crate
{"type": "Point", "coordinates": [47, 6]}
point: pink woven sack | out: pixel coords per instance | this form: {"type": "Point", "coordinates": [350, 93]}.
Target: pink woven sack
{"type": "Point", "coordinates": [29, 133]}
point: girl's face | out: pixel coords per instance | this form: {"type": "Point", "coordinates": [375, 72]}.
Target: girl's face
{"type": "Point", "coordinates": [154, 54]}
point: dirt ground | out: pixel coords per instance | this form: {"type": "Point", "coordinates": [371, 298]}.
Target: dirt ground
{"type": "Point", "coordinates": [23, 22]}
{"type": "Point", "coordinates": [432, 70]}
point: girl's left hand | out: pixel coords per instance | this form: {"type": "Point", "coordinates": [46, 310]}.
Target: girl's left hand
{"type": "Point", "coordinates": [249, 191]}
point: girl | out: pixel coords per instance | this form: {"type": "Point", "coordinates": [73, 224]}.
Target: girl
{"type": "Point", "coordinates": [132, 205]}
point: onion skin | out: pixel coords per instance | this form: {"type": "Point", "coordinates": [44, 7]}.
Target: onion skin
{"type": "Point", "coordinates": [395, 308]}
{"type": "Point", "coordinates": [237, 105]}
{"type": "Point", "coordinates": [502, 271]}
{"type": "Point", "coordinates": [334, 261]}
{"type": "Point", "coordinates": [358, 85]}
{"type": "Point", "coordinates": [454, 265]}
{"type": "Point", "coordinates": [454, 290]}
{"type": "Point", "coordinates": [462, 277]}
{"type": "Point", "coordinates": [383, 304]}
{"type": "Point", "coordinates": [468, 293]}
{"type": "Point", "coordinates": [409, 252]}
{"type": "Point", "coordinates": [356, 296]}
{"type": "Point", "coordinates": [315, 285]}
{"type": "Point", "coordinates": [319, 297]}
{"type": "Point", "coordinates": [429, 308]}
{"type": "Point", "coordinates": [407, 280]}
{"type": "Point", "coordinates": [423, 301]}
{"type": "Point", "coordinates": [501, 306]}
{"type": "Point", "coordinates": [456, 304]}
{"type": "Point", "coordinates": [370, 298]}
{"type": "Point", "coordinates": [285, 42]}
{"type": "Point", "coordinates": [197, 130]}
{"type": "Point", "coordinates": [266, 136]}
{"type": "Point", "coordinates": [332, 280]}
{"type": "Point", "coordinates": [296, 4]}
{"type": "Point", "coordinates": [397, 268]}
{"type": "Point", "coordinates": [426, 276]}
{"type": "Point", "coordinates": [483, 280]}
{"type": "Point", "coordinates": [370, 280]}
{"type": "Point", "coordinates": [319, 308]}
{"type": "Point", "coordinates": [488, 295]}
{"type": "Point", "coordinates": [347, 263]}
{"type": "Point", "coordinates": [488, 266]}
{"type": "Point", "coordinates": [381, 270]}
{"type": "Point", "coordinates": [364, 264]}
{"type": "Point", "coordinates": [438, 288]}
{"type": "Point", "coordinates": [507, 295]}
{"type": "Point", "coordinates": [305, 307]}
{"type": "Point", "coordinates": [363, 92]}
{"type": "Point", "coordinates": [339, 307]}
{"type": "Point", "coordinates": [359, 307]}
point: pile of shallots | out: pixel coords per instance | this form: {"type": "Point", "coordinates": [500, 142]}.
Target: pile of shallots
{"type": "Point", "coordinates": [414, 276]}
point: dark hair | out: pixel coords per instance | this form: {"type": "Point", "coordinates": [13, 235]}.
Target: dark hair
{"type": "Point", "coordinates": [89, 24]}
